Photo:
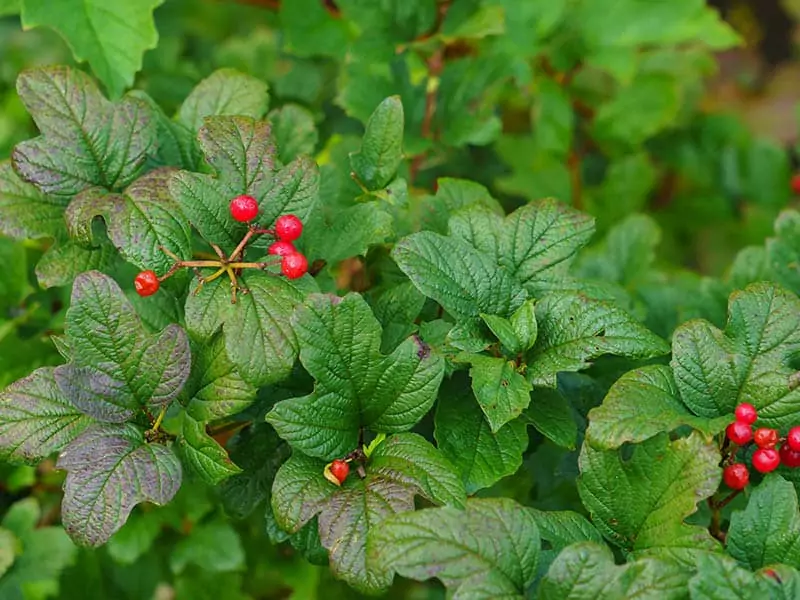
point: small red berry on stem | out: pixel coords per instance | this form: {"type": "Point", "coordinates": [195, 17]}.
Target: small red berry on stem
{"type": "Point", "coordinates": [746, 413]}
{"type": "Point", "coordinates": [244, 208]}
{"type": "Point", "coordinates": [340, 469]}
{"type": "Point", "coordinates": [288, 228]}
{"type": "Point", "coordinates": [736, 476]}
{"type": "Point", "coordinates": [766, 460]}
{"type": "Point", "coordinates": [739, 433]}
{"type": "Point", "coordinates": [765, 437]}
{"type": "Point", "coordinates": [796, 184]}
{"type": "Point", "coordinates": [294, 265]}
{"type": "Point", "coordinates": [789, 456]}
{"type": "Point", "coordinates": [146, 283]}
{"type": "Point", "coordinates": [282, 248]}
{"type": "Point", "coordinates": [793, 438]}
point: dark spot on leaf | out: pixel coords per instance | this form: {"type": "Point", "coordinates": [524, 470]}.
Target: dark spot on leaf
{"type": "Point", "coordinates": [423, 349]}
{"type": "Point", "coordinates": [504, 382]}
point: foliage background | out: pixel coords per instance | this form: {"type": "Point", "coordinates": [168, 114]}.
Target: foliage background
{"type": "Point", "coordinates": [682, 124]}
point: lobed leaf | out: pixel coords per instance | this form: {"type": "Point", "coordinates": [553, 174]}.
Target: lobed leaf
{"type": "Point", "coordinates": [356, 385]}
{"type": "Point", "coordinates": [492, 544]}
{"type": "Point", "coordinates": [640, 503]}
{"type": "Point", "coordinates": [36, 419]}
{"type": "Point", "coordinates": [110, 469]}
{"type": "Point", "coordinates": [85, 140]}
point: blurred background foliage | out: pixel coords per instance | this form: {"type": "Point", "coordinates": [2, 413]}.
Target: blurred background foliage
{"type": "Point", "coordinates": [649, 107]}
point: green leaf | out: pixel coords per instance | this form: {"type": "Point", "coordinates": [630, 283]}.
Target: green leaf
{"type": "Point", "coordinates": [550, 412]}
{"type": "Point", "coordinates": [109, 470]}
{"type": "Point", "coordinates": [311, 30]}
{"type": "Point", "coordinates": [203, 454]}
{"type": "Point", "coordinates": [85, 140]}
{"type": "Point", "coordinates": [560, 529]}
{"type": "Point", "coordinates": [356, 386]}
{"type": "Point", "coordinates": [626, 255]}
{"type": "Point", "coordinates": [501, 391]}
{"type": "Point", "coordinates": [259, 451]}
{"type": "Point", "coordinates": [111, 38]}
{"type": "Point", "coordinates": [215, 389]}
{"type": "Point", "coordinates": [396, 307]}
{"type": "Point", "coordinates": [138, 222]}
{"type": "Point", "coordinates": [464, 281]}
{"type": "Point", "coordinates": [294, 131]}
{"type": "Point", "coordinates": [36, 419]}
{"type": "Point", "coordinates": [640, 503]}
{"type": "Point", "coordinates": [504, 332]}
{"type": "Point", "coordinates": [452, 196]}
{"type": "Point", "coordinates": [574, 329]}
{"type": "Point", "coordinates": [718, 578]}
{"type": "Point", "coordinates": [225, 92]}
{"type": "Point", "coordinates": [523, 320]}
{"type": "Point", "coordinates": [25, 212]}
{"type": "Point", "coordinates": [464, 436]}
{"type": "Point", "coordinates": [261, 317]}
{"type": "Point", "coordinates": [401, 467]}
{"type": "Point", "coordinates": [117, 368]}
{"type": "Point", "coordinates": [586, 571]}
{"type": "Point", "coordinates": [243, 154]}
{"type": "Point", "coordinates": [348, 232]}
{"type": "Point", "coordinates": [62, 263]}
{"type": "Point", "coordinates": [213, 547]}
{"type": "Point", "coordinates": [8, 550]}
{"type": "Point", "coordinates": [768, 530]}
{"type": "Point", "coordinates": [136, 537]}
{"type": "Point", "coordinates": [44, 552]}
{"type": "Point", "coordinates": [492, 546]}
{"type": "Point", "coordinates": [639, 111]}
{"type": "Point", "coordinates": [10, 7]}
{"type": "Point", "coordinates": [641, 404]}
{"type": "Point", "coordinates": [749, 362]}
{"type": "Point", "coordinates": [783, 250]}
{"type": "Point", "coordinates": [376, 163]}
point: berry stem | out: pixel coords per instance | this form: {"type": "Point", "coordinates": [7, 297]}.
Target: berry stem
{"type": "Point", "coordinates": [154, 429]}
{"type": "Point", "coordinates": [250, 233]}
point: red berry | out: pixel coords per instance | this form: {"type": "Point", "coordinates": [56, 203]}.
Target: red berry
{"type": "Point", "coordinates": [746, 413]}
{"type": "Point", "coordinates": [294, 265]}
{"type": "Point", "coordinates": [736, 476]}
{"type": "Point", "coordinates": [244, 208]}
{"type": "Point", "coordinates": [288, 228]}
{"type": "Point", "coordinates": [146, 283]}
{"type": "Point", "coordinates": [796, 184]}
{"type": "Point", "coordinates": [766, 460]}
{"type": "Point", "coordinates": [789, 456]}
{"type": "Point", "coordinates": [281, 248]}
{"type": "Point", "coordinates": [340, 469]}
{"type": "Point", "coordinates": [765, 437]}
{"type": "Point", "coordinates": [793, 439]}
{"type": "Point", "coordinates": [739, 433]}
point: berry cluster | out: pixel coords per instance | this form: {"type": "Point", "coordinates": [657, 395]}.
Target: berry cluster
{"type": "Point", "coordinates": [243, 209]}
{"type": "Point", "coordinates": [766, 458]}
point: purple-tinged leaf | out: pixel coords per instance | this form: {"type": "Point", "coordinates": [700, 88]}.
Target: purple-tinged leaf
{"type": "Point", "coordinates": [110, 469]}
{"type": "Point", "coordinates": [86, 140]}
{"type": "Point", "coordinates": [36, 419]}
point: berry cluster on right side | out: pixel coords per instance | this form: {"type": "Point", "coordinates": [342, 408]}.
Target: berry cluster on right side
{"type": "Point", "coordinates": [766, 458]}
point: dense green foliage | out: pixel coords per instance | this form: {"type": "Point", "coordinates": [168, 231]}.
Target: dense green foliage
{"type": "Point", "coordinates": [541, 278]}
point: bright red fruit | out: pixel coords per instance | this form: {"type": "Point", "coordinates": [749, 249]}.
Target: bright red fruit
{"type": "Point", "coordinates": [288, 228]}
{"type": "Point", "coordinates": [244, 208]}
{"type": "Point", "coordinates": [294, 265]}
{"type": "Point", "coordinates": [746, 413]}
{"type": "Point", "coordinates": [340, 469]}
{"type": "Point", "coordinates": [765, 437]}
{"type": "Point", "coordinates": [281, 248]}
{"type": "Point", "coordinates": [796, 184]}
{"type": "Point", "coordinates": [146, 283]}
{"type": "Point", "coordinates": [736, 476]}
{"type": "Point", "coordinates": [766, 460]}
{"type": "Point", "coordinates": [793, 439]}
{"type": "Point", "coordinates": [789, 456]}
{"type": "Point", "coordinates": [739, 433]}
